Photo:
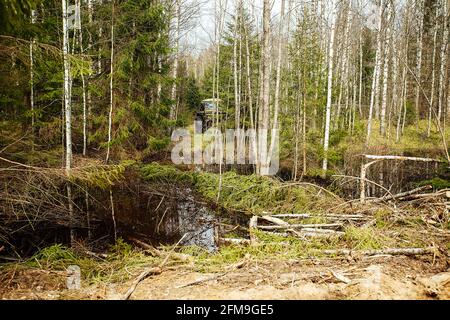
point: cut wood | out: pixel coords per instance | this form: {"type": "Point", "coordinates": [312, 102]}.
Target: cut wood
{"type": "Point", "coordinates": [375, 158]}
{"type": "Point", "coordinates": [393, 251]}
{"type": "Point", "coordinates": [253, 224]}
{"type": "Point", "coordinates": [302, 226]}
{"type": "Point", "coordinates": [275, 220]}
{"type": "Point", "coordinates": [341, 277]}
{"type": "Point", "coordinates": [324, 231]}
{"type": "Point", "coordinates": [234, 241]}
{"type": "Point", "coordinates": [404, 194]}
{"type": "Point", "coordinates": [297, 216]}
{"type": "Point", "coordinates": [326, 216]}
{"type": "Point", "coordinates": [400, 158]}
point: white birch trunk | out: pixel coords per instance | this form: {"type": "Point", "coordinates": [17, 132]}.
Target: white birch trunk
{"type": "Point", "coordinates": [376, 74]}
{"type": "Point", "coordinates": [444, 55]}
{"type": "Point", "coordinates": [330, 86]}
{"type": "Point", "coordinates": [387, 52]}
{"type": "Point", "coordinates": [67, 112]}
{"type": "Point", "coordinates": [433, 74]}
{"type": "Point", "coordinates": [33, 20]}
{"type": "Point", "coordinates": [111, 91]}
{"type": "Point", "coordinates": [173, 109]}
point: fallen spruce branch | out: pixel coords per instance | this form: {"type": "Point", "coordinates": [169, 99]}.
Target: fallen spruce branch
{"type": "Point", "coordinates": [151, 271]}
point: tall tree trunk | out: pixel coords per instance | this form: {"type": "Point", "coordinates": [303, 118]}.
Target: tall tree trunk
{"type": "Point", "coordinates": [67, 112]}
{"type": "Point", "coordinates": [419, 59]}
{"type": "Point", "coordinates": [277, 85]}
{"type": "Point", "coordinates": [237, 104]}
{"type": "Point", "coordinates": [83, 82]}
{"type": "Point", "coordinates": [330, 86]}
{"type": "Point", "coordinates": [376, 73]}
{"type": "Point", "coordinates": [387, 52]}
{"type": "Point", "coordinates": [433, 73]}
{"type": "Point", "coordinates": [111, 87]}
{"type": "Point", "coordinates": [173, 109]}
{"type": "Point", "coordinates": [444, 55]}
{"type": "Point", "coordinates": [33, 20]}
{"type": "Point", "coordinates": [265, 91]}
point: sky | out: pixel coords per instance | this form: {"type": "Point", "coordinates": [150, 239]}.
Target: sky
{"type": "Point", "coordinates": [202, 34]}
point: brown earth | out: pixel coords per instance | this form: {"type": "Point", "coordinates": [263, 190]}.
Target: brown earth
{"type": "Point", "coordinates": [382, 277]}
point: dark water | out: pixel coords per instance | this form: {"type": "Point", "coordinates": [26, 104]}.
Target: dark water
{"type": "Point", "coordinates": [162, 215]}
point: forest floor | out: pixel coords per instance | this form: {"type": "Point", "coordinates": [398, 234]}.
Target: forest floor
{"type": "Point", "coordinates": [379, 277]}
{"type": "Point", "coordinates": [275, 266]}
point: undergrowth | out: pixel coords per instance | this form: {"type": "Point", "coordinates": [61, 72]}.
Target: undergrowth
{"type": "Point", "coordinates": [250, 194]}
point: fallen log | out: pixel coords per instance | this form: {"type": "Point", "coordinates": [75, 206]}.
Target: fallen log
{"type": "Point", "coordinates": [234, 241]}
{"type": "Point", "coordinates": [392, 251]}
{"type": "Point", "coordinates": [376, 159]}
{"type": "Point", "coordinates": [327, 216]}
{"type": "Point", "coordinates": [403, 194]}
{"type": "Point", "coordinates": [301, 226]}
{"type": "Point", "coordinates": [400, 158]}
{"type": "Point", "coordinates": [275, 220]}
{"type": "Point", "coordinates": [252, 226]}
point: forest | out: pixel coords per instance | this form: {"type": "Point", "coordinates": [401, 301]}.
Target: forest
{"type": "Point", "coordinates": [224, 149]}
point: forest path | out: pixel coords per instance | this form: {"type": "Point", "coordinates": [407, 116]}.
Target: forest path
{"type": "Point", "coordinates": [382, 277]}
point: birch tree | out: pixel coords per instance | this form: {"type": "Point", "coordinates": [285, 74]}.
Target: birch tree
{"type": "Point", "coordinates": [67, 110]}
{"type": "Point", "coordinates": [173, 109]}
{"type": "Point", "coordinates": [387, 52]}
{"type": "Point", "coordinates": [326, 139]}
{"type": "Point", "coordinates": [376, 72]}
{"type": "Point", "coordinates": [264, 111]}
{"type": "Point", "coordinates": [111, 87]}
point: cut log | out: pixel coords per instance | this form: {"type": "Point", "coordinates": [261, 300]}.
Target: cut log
{"type": "Point", "coordinates": [301, 226]}
{"type": "Point", "coordinates": [392, 251]}
{"type": "Point", "coordinates": [375, 158]}
{"type": "Point", "coordinates": [404, 194]}
{"type": "Point", "coordinates": [326, 216]}
{"type": "Point", "coordinates": [275, 220]}
{"type": "Point", "coordinates": [253, 225]}
{"type": "Point", "coordinates": [400, 158]}
{"type": "Point", "coordinates": [234, 241]}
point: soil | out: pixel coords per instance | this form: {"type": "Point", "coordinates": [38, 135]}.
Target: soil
{"type": "Point", "coordinates": [382, 277]}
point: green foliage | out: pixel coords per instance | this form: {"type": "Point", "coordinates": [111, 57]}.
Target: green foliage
{"type": "Point", "coordinates": [251, 194]}
{"type": "Point", "coordinates": [121, 262]}
{"type": "Point", "coordinates": [100, 176]}
{"type": "Point", "coordinates": [365, 238]}
{"type": "Point", "coordinates": [437, 183]}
